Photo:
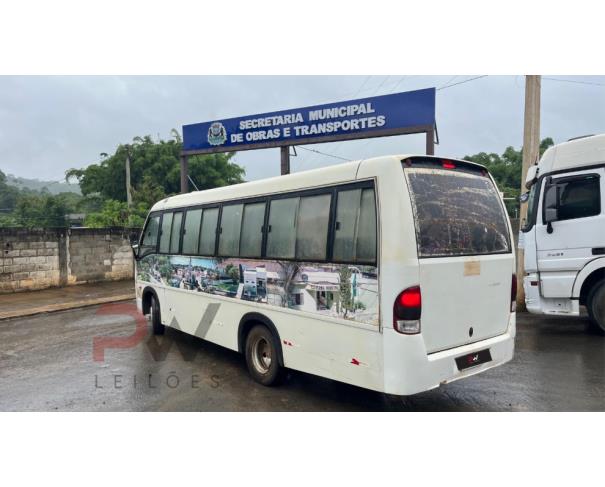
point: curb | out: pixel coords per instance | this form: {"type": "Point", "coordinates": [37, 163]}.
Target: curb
{"type": "Point", "coordinates": [83, 303]}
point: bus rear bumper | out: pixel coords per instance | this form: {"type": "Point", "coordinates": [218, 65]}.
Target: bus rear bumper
{"type": "Point", "coordinates": [432, 370]}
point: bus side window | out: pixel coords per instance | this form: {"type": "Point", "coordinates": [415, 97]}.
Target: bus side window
{"type": "Point", "coordinates": [281, 232]}
{"type": "Point", "coordinates": [165, 233]}
{"type": "Point", "coordinates": [252, 230]}
{"type": "Point", "coordinates": [175, 234]}
{"type": "Point", "coordinates": [312, 227]}
{"type": "Point", "coordinates": [229, 233]}
{"type": "Point", "coordinates": [208, 232]}
{"type": "Point", "coordinates": [193, 220]}
{"type": "Point", "coordinates": [367, 232]}
{"type": "Point", "coordinates": [150, 235]}
{"type": "Point", "coordinates": [355, 232]}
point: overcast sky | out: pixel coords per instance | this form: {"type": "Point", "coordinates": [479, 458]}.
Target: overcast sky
{"type": "Point", "coordinates": [51, 124]}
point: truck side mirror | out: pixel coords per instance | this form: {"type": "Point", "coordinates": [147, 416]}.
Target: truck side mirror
{"type": "Point", "coordinates": [551, 215]}
{"type": "Point", "coordinates": [551, 204]}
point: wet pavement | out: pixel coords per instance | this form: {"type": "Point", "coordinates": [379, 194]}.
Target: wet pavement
{"type": "Point", "coordinates": [29, 303]}
{"type": "Point", "coordinates": [47, 363]}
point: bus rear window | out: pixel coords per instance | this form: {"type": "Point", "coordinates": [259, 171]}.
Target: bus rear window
{"type": "Point", "coordinates": [456, 213]}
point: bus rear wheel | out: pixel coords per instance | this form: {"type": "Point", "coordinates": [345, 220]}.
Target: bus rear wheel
{"type": "Point", "coordinates": [595, 304]}
{"type": "Point", "coordinates": [156, 317]}
{"type": "Point", "coordinates": [262, 356]}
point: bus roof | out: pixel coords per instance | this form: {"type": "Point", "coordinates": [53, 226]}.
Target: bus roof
{"type": "Point", "coordinates": [305, 179]}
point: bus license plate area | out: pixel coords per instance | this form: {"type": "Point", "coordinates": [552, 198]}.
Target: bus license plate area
{"type": "Point", "coordinates": [473, 359]}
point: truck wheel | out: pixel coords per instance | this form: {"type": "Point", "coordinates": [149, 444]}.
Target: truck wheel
{"type": "Point", "coordinates": [595, 304]}
{"type": "Point", "coordinates": [156, 317]}
{"type": "Point", "coordinates": [261, 356]}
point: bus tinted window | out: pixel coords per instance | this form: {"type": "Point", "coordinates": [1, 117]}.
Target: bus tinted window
{"type": "Point", "coordinates": [366, 235]}
{"type": "Point", "coordinates": [355, 233]}
{"type": "Point", "coordinates": [150, 236]}
{"type": "Point", "coordinates": [165, 233]}
{"type": "Point", "coordinates": [231, 222]}
{"type": "Point", "coordinates": [281, 239]}
{"type": "Point", "coordinates": [312, 227]}
{"type": "Point", "coordinates": [208, 232]}
{"type": "Point", "coordinates": [175, 234]}
{"type": "Point", "coordinates": [252, 230]}
{"type": "Point", "coordinates": [456, 213]}
{"type": "Point", "coordinates": [193, 220]}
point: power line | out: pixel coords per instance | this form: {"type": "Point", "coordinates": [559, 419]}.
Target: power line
{"type": "Point", "coordinates": [381, 84]}
{"type": "Point", "coordinates": [561, 80]}
{"type": "Point", "coordinates": [362, 85]}
{"type": "Point", "coordinates": [462, 82]}
{"type": "Point", "coordinates": [323, 153]}
{"type": "Point", "coordinates": [448, 81]}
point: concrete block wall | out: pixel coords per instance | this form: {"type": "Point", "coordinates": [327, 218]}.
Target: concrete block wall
{"type": "Point", "coordinates": [39, 258]}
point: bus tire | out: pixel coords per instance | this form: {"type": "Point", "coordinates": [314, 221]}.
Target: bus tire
{"type": "Point", "coordinates": [156, 317]}
{"type": "Point", "coordinates": [595, 304]}
{"type": "Point", "coordinates": [262, 356]}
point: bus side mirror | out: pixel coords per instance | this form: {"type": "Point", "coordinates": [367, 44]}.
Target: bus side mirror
{"type": "Point", "coordinates": [135, 251]}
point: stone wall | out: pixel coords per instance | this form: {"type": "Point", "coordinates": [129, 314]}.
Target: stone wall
{"type": "Point", "coordinates": [39, 258]}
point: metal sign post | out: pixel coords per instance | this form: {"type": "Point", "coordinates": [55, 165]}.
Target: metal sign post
{"type": "Point", "coordinates": [409, 112]}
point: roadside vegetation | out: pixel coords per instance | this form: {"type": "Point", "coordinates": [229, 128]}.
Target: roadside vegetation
{"type": "Point", "coordinates": [506, 170]}
{"type": "Point", "coordinates": [155, 174]}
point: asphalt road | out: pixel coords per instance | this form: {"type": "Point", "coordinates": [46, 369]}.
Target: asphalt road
{"type": "Point", "coordinates": [47, 363]}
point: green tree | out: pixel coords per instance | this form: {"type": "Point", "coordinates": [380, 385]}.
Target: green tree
{"type": "Point", "coordinates": [40, 210]}
{"type": "Point", "coordinates": [155, 166]}
{"type": "Point", "coordinates": [8, 195]}
{"type": "Point", "coordinates": [506, 170]}
{"type": "Point", "coordinates": [117, 214]}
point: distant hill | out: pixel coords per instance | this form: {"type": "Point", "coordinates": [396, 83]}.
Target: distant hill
{"type": "Point", "coordinates": [53, 187]}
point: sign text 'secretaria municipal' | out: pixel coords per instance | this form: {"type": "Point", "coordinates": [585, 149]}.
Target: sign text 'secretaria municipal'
{"type": "Point", "coordinates": [334, 121]}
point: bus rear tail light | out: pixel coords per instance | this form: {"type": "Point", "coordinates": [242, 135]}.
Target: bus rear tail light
{"type": "Point", "coordinates": [513, 294]}
{"type": "Point", "coordinates": [407, 310]}
{"type": "Point", "coordinates": [448, 165]}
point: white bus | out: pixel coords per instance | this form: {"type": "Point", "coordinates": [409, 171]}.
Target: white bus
{"type": "Point", "coordinates": [394, 274]}
{"type": "Point", "coordinates": [564, 234]}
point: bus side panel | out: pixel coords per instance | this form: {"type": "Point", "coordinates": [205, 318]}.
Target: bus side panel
{"type": "Point", "coordinates": [349, 353]}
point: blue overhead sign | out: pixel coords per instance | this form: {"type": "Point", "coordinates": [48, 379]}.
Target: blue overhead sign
{"type": "Point", "coordinates": [377, 116]}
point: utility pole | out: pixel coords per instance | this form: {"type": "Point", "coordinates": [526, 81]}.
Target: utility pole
{"type": "Point", "coordinates": [285, 160]}
{"type": "Point", "coordinates": [531, 154]}
{"type": "Point", "coordinates": [128, 189]}
{"type": "Point", "coordinates": [184, 174]}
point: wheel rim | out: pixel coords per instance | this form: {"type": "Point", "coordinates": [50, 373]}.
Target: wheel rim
{"type": "Point", "coordinates": [261, 355]}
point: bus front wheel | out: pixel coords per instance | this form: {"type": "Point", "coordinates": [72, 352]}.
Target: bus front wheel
{"type": "Point", "coordinates": [261, 356]}
{"type": "Point", "coordinates": [156, 317]}
{"type": "Point", "coordinates": [595, 304]}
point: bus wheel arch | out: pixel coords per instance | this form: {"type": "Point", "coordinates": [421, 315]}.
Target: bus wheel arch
{"type": "Point", "coordinates": [148, 293]}
{"type": "Point", "coordinates": [149, 297]}
{"type": "Point", "coordinates": [249, 321]}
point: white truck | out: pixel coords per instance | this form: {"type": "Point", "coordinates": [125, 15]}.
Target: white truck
{"type": "Point", "coordinates": [564, 234]}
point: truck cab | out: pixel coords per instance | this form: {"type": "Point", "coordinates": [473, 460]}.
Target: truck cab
{"type": "Point", "coordinates": [564, 234]}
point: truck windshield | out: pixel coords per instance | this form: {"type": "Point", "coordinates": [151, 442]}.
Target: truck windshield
{"type": "Point", "coordinates": [456, 212]}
